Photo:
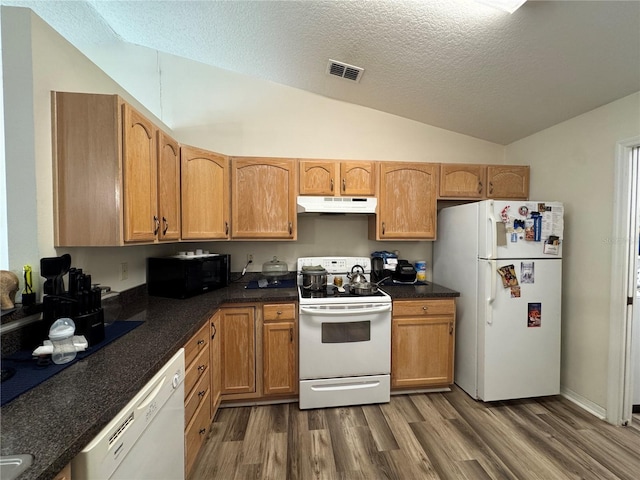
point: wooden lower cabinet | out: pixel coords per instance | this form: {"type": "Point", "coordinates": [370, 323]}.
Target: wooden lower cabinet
{"type": "Point", "coordinates": [279, 349]}
{"type": "Point", "coordinates": [216, 370]}
{"type": "Point", "coordinates": [422, 343]}
{"type": "Point", "coordinates": [197, 394]}
{"type": "Point", "coordinates": [238, 341]}
{"type": "Point", "coordinates": [64, 474]}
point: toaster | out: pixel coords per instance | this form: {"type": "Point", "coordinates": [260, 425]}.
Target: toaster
{"type": "Point", "coordinates": [404, 272]}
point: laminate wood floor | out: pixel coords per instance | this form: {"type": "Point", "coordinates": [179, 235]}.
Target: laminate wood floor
{"type": "Point", "coordinates": [419, 436]}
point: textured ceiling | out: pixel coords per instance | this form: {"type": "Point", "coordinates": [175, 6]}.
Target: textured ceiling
{"type": "Point", "coordinates": [449, 63]}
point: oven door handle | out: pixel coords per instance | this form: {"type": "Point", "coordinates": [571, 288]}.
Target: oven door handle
{"type": "Point", "coordinates": [345, 311]}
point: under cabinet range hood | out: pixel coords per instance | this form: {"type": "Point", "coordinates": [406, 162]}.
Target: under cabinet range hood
{"type": "Point", "coordinates": [337, 204]}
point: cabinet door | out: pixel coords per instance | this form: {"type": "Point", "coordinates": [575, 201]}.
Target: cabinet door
{"type": "Point", "coordinates": [140, 177]}
{"type": "Point", "coordinates": [216, 370]}
{"type": "Point", "coordinates": [358, 178]}
{"type": "Point", "coordinates": [422, 351]}
{"type": "Point", "coordinates": [237, 328]}
{"type": "Point", "coordinates": [263, 201]}
{"type": "Point", "coordinates": [87, 170]}
{"type": "Point", "coordinates": [205, 195]}
{"type": "Point", "coordinates": [317, 177]}
{"type": "Point", "coordinates": [168, 187]}
{"type": "Point", "coordinates": [279, 357]}
{"type": "Point", "coordinates": [508, 181]}
{"type": "Point", "coordinates": [462, 181]}
{"type": "Point", "coordinates": [407, 202]}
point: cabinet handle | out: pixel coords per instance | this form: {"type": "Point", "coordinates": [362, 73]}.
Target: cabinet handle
{"type": "Point", "coordinates": [215, 330]}
{"type": "Point", "coordinates": [480, 187]}
{"type": "Point", "coordinates": [425, 308]}
{"type": "Point", "coordinates": [201, 393]}
{"type": "Point", "coordinates": [344, 185]}
{"type": "Point", "coordinates": [202, 368]}
{"type": "Point", "coordinates": [332, 184]}
{"type": "Point", "coordinates": [157, 225]}
{"type": "Point", "coordinates": [490, 187]}
{"type": "Point", "coordinates": [166, 226]}
{"type": "Point", "coordinates": [290, 228]}
{"type": "Point", "coordinates": [383, 228]}
{"type": "Point", "coordinates": [200, 342]}
{"type": "Point", "coordinates": [226, 228]}
{"type": "Point", "coordinates": [278, 312]}
{"type": "Point", "coordinates": [291, 334]}
{"type": "Point", "coordinates": [451, 328]}
{"type": "Point", "coordinates": [202, 431]}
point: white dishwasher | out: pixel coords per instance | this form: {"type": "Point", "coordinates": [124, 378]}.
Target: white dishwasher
{"type": "Point", "coordinates": [145, 441]}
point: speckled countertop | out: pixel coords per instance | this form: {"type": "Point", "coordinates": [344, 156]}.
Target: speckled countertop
{"type": "Point", "coordinates": [56, 419]}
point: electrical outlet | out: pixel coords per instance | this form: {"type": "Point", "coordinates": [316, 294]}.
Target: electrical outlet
{"type": "Point", "coordinates": [124, 271]}
{"type": "Point", "coordinates": [249, 257]}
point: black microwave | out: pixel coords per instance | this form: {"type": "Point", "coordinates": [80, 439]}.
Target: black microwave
{"type": "Point", "coordinates": [183, 276]}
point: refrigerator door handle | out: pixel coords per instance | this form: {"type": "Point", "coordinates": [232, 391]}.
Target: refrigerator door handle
{"type": "Point", "coordinates": [492, 230]}
{"type": "Point", "coordinates": [492, 290]}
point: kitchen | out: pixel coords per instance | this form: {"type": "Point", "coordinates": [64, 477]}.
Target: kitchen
{"type": "Point", "coordinates": [551, 154]}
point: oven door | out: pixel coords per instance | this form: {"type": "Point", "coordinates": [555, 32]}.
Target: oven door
{"type": "Point", "coordinates": [344, 340]}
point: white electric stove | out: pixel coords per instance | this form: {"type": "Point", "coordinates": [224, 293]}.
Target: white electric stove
{"type": "Point", "coordinates": [345, 339]}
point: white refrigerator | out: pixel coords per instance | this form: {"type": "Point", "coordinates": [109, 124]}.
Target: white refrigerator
{"type": "Point", "coordinates": [505, 259]}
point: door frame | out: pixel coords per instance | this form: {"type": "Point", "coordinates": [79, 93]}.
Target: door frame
{"type": "Point", "coordinates": [624, 248]}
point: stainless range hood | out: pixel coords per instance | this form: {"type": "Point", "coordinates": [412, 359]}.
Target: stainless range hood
{"type": "Point", "coordinates": [337, 204]}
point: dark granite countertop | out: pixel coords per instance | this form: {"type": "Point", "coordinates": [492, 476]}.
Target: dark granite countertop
{"type": "Point", "coordinates": [56, 419]}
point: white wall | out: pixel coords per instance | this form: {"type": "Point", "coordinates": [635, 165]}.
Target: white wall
{"type": "Point", "coordinates": [227, 113]}
{"type": "Point", "coordinates": [573, 162]}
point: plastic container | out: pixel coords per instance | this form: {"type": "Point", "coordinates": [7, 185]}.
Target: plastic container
{"type": "Point", "coordinates": [61, 336]}
{"type": "Point", "coordinates": [421, 270]}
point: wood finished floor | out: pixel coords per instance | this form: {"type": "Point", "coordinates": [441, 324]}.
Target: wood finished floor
{"type": "Point", "coordinates": [419, 436]}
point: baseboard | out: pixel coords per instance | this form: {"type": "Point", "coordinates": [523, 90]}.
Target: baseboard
{"type": "Point", "coordinates": [584, 403]}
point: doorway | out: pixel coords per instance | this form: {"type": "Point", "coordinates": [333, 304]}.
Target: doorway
{"type": "Point", "coordinates": [624, 364]}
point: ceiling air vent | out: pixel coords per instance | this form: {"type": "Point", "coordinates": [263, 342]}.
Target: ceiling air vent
{"type": "Point", "coordinates": [344, 70]}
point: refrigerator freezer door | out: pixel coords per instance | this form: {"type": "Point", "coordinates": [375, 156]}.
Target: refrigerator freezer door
{"type": "Point", "coordinates": [495, 242]}
{"type": "Point", "coordinates": [519, 337]}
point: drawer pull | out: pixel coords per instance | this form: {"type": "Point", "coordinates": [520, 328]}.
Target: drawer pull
{"type": "Point", "coordinates": [201, 393]}
{"type": "Point", "coordinates": [202, 368]}
{"type": "Point", "coordinates": [202, 431]}
{"type": "Point", "coordinates": [200, 342]}
{"type": "Point", "coordinates": [425, 308]}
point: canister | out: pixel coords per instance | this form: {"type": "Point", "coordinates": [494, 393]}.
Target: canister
{"type": "Point", "coordinates": [421, 270]}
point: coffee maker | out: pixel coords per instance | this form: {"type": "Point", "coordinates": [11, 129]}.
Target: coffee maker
{"type": "Point", "coordinates": [383, 264]}
{"type": "Point", "coordinates": [81, 302]}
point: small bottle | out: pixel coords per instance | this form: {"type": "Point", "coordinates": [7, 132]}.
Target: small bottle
{"type": "Point", "coordinates": [61, 336]}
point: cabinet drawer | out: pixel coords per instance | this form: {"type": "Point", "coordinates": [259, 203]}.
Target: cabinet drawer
{"type": "Point", "coordinates": [277, 312]}
{"type": "Point", "coordinates": [196, 433]}
{"type": "Point", "coordinates": [196, 344]}
{"type": "Point", "coordinates": [198, 368]}
{"type": "Point", "coordinates": [195, 397]}
{"type": "Point", "coordinates": [412, 308]}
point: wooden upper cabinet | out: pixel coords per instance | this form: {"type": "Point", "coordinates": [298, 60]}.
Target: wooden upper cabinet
{"type": "Point", "coordinates": [318, 177]}
{"type": "Point", "coordinates": [406, 202]}
{"type": "Point", "coordinates": [140, 157]}
{"type": "Point", "coordinates": [462, 181]}
{"type": "Point", "coordinates": [205, 194]}
{"type": "Point", "coordinates": [508, 181]}
{"type": "Point", "coordinates": [358, 178]}
{"type": "Point", "coordinates": [106, 161]}
{"type": "Point", "coordinates": [168, 187]}
{"type": "Point", "coordinates": [334, 178]}
{"type": "Point", "coordinates": [263, 203]}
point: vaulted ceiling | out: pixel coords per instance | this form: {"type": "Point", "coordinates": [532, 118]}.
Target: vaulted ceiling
{"type": "Point", "coordinates": [453, 64]}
